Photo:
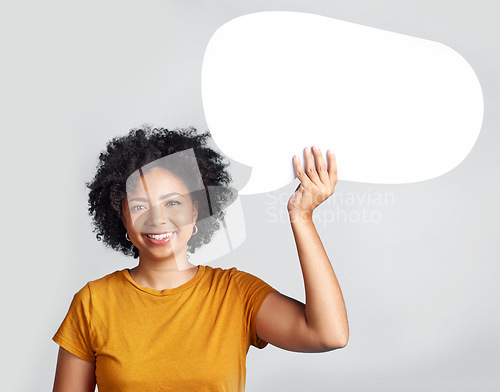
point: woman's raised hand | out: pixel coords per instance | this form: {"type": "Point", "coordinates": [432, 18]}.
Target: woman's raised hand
{"type": "Point", "coordinates": [317, 183]}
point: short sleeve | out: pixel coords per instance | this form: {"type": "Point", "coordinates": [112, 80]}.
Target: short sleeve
{"type": "Point", "coordinates": [252, 291]}
{"type": "Point", "coordinates": [74, 332]}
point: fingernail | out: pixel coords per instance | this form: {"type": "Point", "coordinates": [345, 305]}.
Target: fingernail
{"type": "Point", "coordinates": [316, 148]}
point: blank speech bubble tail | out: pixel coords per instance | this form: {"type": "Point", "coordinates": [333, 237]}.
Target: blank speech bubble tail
{"type": "Point", "coordinates": [261, 182]}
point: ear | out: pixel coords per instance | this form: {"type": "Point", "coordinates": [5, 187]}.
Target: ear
{"type": "Point", "coordinates": [195, 211]}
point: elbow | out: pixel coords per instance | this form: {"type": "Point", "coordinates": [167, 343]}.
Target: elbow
{"type": "Point", "coordinates": [338, 342]}
{"type": "Point", "coordinates": [344, 341]}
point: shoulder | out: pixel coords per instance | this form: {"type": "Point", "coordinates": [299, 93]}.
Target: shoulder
{"type": "Point", "coordinates": [102, 284]}
{"type": "Point", "coordinates": [229, 274]}
{"type": "Point", "coordinates": [218, 272]}
{"type": "Point", "coordinates": [246, 283]}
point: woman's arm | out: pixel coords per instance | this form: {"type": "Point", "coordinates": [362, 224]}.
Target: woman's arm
{"type": "Point", "coordinates": [73, 374]}
{"type": "Point", "coordinates": [325, 310]}
{"type": "Point", "coordinates": [321, 324]}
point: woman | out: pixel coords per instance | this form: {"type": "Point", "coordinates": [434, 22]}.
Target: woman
{"type": "Point", "coordinates": [168, 325]}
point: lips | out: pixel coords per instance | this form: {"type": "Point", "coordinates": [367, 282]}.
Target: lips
{"type": "Point", "coordinates": [164, 232]}
{"type": "Point", "coordinates": [159, 238]}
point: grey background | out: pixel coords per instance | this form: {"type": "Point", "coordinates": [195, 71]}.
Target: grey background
{"type": "Point", "coordinates": [419, 277]}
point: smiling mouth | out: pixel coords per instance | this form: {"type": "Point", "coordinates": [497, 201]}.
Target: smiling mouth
{"type": "Point", "coordinates": [162, 237]}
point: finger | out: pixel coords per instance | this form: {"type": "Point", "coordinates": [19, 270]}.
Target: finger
{"type": "Point", "coordinates": [311, 167]}
{"type": "Point", "coordinates": [320, 166]}
{"type": "Point", "coordinates": [332, 167]}
{"type": "Point", "coordinates": [301, 175]}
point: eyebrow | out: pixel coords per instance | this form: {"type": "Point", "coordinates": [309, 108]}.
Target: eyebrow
{"type": "Point", "coordinates": [165, 196]}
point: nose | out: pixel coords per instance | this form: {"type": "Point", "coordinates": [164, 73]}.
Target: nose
{"type": "Point", "coordinates": [156, 216]}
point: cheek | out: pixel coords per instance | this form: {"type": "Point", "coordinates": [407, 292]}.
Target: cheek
{"type": "Point", "coordinates": [137, 221]}
{"type": "Point", "coordinates": [183, 218]}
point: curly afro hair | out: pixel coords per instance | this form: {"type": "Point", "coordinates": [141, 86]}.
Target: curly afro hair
{"type": "Point", "coordinates": [125, 155]}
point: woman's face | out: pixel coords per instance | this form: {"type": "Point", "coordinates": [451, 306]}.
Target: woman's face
{"type": "Point", "coordinates": [159, 215]}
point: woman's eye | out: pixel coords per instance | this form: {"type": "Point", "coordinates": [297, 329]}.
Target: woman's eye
{"type": "Point", "coordinates": [170, 203]}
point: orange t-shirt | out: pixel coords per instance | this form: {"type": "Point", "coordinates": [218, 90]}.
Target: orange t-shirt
{"type": "Point", "coordinates": [194, 337]}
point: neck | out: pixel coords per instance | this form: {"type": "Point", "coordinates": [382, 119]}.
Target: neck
{"type": "Point", "coordinates": [163, 274]}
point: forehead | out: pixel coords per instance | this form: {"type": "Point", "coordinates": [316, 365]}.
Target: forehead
{"type": "Point", "coordinates": [156, 180]}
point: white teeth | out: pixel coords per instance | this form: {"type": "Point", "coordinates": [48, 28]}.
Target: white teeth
{"type": "Point", "coordinates": [159, 236]}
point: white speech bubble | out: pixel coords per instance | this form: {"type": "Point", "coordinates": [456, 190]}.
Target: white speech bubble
{"type": "Point", "coordinates": [395, 109]}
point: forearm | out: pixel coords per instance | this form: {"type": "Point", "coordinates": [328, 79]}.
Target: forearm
{"type": "Point", "coordinates": [325, 310]}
